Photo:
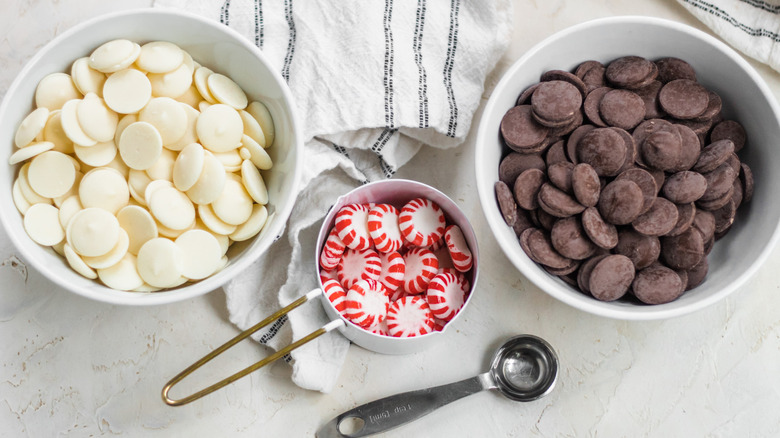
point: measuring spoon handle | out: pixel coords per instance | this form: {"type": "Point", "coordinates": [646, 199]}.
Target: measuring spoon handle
{"type": "Point", "coordinates": [395, 410]}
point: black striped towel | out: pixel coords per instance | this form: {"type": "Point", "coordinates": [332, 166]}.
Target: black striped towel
{"type": "Point", "coordinates": [373, 80]}
{"type": "Point", "coordinates": [751, 26]}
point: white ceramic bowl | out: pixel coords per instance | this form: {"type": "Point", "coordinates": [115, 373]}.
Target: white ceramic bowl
{"type": "Point", "coordinates": [397, 192]}
{"type": "Point", "coordinates": [746, 98]}
{"type": "Point", "coordinates": [213, 45]}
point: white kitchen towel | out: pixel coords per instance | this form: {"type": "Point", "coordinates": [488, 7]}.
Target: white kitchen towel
{"type": "Point", "coordinates": [751, 26]}
{"type": "Point", "coordinates": [373, 81]}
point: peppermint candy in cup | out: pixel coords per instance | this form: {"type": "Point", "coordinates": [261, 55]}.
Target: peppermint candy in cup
{"type": "Point", "coordinates": [389, 290]}
{"type": "Point", "coordinates": [424, 242]}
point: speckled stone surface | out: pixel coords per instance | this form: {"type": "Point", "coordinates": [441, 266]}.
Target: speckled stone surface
{"type": "Point", "coordinates": [73, 367]}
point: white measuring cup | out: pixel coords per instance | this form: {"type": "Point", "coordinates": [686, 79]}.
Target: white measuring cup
{"type": "Point", "coordinates": [396, 192]}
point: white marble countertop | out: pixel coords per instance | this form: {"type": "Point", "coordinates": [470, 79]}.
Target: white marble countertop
{"type": "Point", "coordinates": [73, 367]}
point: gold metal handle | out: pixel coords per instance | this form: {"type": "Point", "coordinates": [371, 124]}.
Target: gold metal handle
{"type": "Point", "coordinates": [238, 338]}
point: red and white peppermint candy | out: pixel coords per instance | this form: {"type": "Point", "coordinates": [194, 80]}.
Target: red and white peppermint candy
{"type": "Point", "coordinates": [358, 265]}
{"type": "Point", "coordinates": [421, 267]}
{"type": "Point", "coordinates": [366, 303]}
{"type": "Point", "coordinates": [458, 248]}
{"type": "Point", "coordinates": [380, 329]}
{"type": "Point", "coordinates": [335, 294]}
{"type": "Point", "coordinates": [352, 226]}
{"type": "Point", "coordinates": [422, 222]}
{"type": "Point", "coordinates": [332, 250]}
{"type": "Point", "coordinates": [328, 274]}
{"type": "Point", "coordinates": [462, 280]}
{"type": "Point", "coordinates": [445, 296]}
{"type": "Point", "coordinates": [393, 269]}
{"type": "Point", "coordinates": [441, 243]}
{"type": "Point", "coordinates": [409, 316]}
{"type": "Point", "coordinates": [438, 325]}
{"type": "Point", "coordinates": [383, 228]}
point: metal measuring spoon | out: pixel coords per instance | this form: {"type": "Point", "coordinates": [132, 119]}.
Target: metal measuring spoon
{"type": "Point", "coordinates": [524, 368]}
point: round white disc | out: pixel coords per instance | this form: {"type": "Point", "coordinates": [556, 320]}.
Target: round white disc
{"type": "Point", "coordinates": [140, 145]}
{"type": "Point", "coordinates": [96, 119]}
{"type": "Point", "coordinates": [31, 126]}
{"type": "Point", "coordinates": [160, 262]}
{"type": "Point", "coordinates": [127, 91]}
{"type": "Point", "coordinates": [54, 90]}
{"type": "Point", "coordinates": [188, 166]}
{"type": "Point", "coordinates": [259, 111]}
{"type": "Point", "coordinates": [210, 182]}
{"type": "Point", "coordinates": [160, 57]}
{"type": "Point", "coordinates": [123, 275]}
{"type": "Point", "coordinates": [42, 223]}
{"type": "Point", "coordinates": [70, 124]}
{"type": "Point", "coordinates": [139, 224]}
{"type": "Point", "coordinates": [51, 174]}
{"type": "Point", "coordinates": [253, 182]}
{"type": "Point", "coordinates": [105, 188]}
{"type": "Point", "coordinates": [202, 253]}
{"type": "Point", "coordinates": [98, 155]}
{"type": "Point", "coordinates": [226, 91]}
{"type": "Point", "coordinates": [234, 205]}
{"type": "Point", "coordinates": [167, 116]}
{"type": "Point", "coordinates": [219, 128]}
{"type": "Point", "coordinates": [253, 225]}
{"type": "Point", "coordinates": [77, 264]}
{"type": "Point", "coordinates": [172, 208]}
{"type": "Point", "coordinates": [92, 232]}
{"type": "Point", "coordinates": [85, 78]}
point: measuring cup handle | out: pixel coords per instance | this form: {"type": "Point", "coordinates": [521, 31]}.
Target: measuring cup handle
{"type": "Point", "coordinates": [395, 410]}
{"type": "Point", "coordinates": [238, 338]}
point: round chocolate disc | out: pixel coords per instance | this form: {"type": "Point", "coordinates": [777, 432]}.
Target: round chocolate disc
{"type": "Point", "coordinates": [684, 187]}
{"type": "Point", "coordinates": [683, 251]}
{"type": "Point", "coordinates": [542, 251]}
{"type": "Point", "coordinates": [719, 182]}
{"type": "Point", "coordinates": [516, 163]}
{"type": "Point", "coordinates": [527, 186]}
{"type": "Point", "coordinates": [560, 175]}
{"type": "Point", "coordinates": [713, 155]}
{"type": "Point", "coordinates": [685, 215]}
{"type": "Point", "coordinates": [662, 149]}
{"type": "Point", "coordinates": [592, 104]}
{"type": "Point", "coordinates": [557, 202]}
{"type": "Point", "coordinates": [730, 130]}
{"type": "Point", "coordinates": [604, 149]}
{"type": "Point", "coordinates": [519, 129]}
{"type": "Point", "coordinates": [611, 277]}
{"type": "Point", "coordinates": [622, 108]}
{"type": "Point", "coordinates": [556, 154]}
{"type": "Point", "coordinates": [697, 274]}
{"type": "Point", "coordinates": [671, 68]}
{"type": "Point", "coordinates": [657, 284]}
{"type": "Point", "coordinates": [630, 71]}
{"type": "Point", "coordinates": [642, 250]}
{"type": "Point", "coordinates": [556, 101]}
{"type": "Point", "coordinates": [506, 203]}
{"type": "Point", "coordinates": [563, 75]}
{"type": "Point", "coordinates": [570, 240]}
{"type": "Point", "coordinates": [658, 220]}
{"type": "Point", "coordinates": [683, 98]}
{"type": "Point", "coordinates": [585, 184]}
{"type": "Point", "coordinates": [621, 202]}
{"type": "Point", "coordinates": [602, 234]}
{"type": "Point", "coordinates": [649, 96]}
{"type": "Point", "coordinates": [646, 183]}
